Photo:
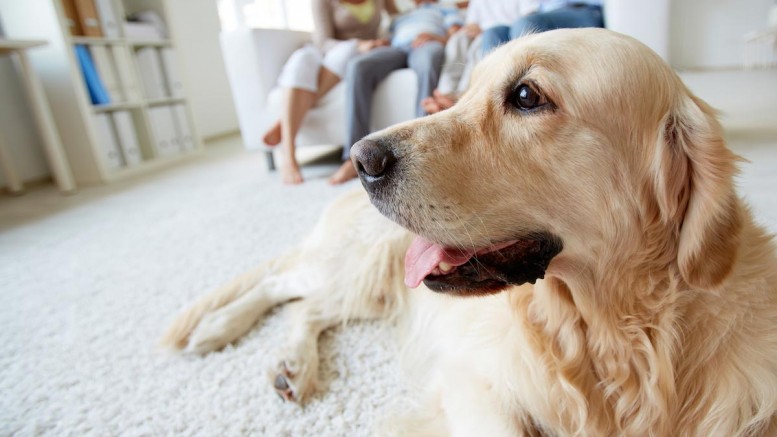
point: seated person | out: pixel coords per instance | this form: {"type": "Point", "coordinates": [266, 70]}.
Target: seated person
{"type": "Point", "coordinates": [343, 29]}
{"type": "Point", "coordinates": [464, 49]}
{"type": "Point", "coordinates": [549, 15]}
{"type": "Point", "coordinates": [418, 39]}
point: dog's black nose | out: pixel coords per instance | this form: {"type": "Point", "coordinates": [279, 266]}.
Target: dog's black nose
{"type": "Point", "coordinates": [372, 159]}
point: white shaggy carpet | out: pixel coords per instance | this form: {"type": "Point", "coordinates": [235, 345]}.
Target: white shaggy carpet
{"type": "Point", "coordinates": [89, 282]}
{"type": "Point", "coordinates": [87, 291]}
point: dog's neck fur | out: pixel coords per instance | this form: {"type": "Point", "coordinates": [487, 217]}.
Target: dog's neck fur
{"type": "Point", "coordinates": [643, 316]}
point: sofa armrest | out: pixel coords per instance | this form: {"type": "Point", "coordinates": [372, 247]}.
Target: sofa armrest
{"type": "Point", "coordinates": [253, 59]}
{"type": "Point", "coordinates": [259, 54]}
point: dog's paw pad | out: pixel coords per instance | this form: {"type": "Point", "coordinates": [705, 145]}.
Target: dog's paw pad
{"type": "Point", "coordinates": [283, 382]}
{"type": "Point", "coordinates": [283, 389]}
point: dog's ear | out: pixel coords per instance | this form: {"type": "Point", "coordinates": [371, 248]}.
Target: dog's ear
{"type": "Point", "coordinates": [693, 176]}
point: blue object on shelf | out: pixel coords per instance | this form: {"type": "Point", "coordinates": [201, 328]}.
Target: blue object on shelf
{"type": "Point", "coordinates": [97, 92]}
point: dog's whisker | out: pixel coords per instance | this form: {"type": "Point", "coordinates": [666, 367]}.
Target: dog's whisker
{"type": "Point", "coordinates": [471, 241]}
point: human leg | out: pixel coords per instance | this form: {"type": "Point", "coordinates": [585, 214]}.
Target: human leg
{"type": "Point", "coordinates": [298, 72]}
{"type": "Point", "coordinates": [334, 63]}
{"type": "Point", "coordinates": [326, 81]}
{"type": "Point", "coordinates": [426, 61]}
{"type": "Point", "coordinates": [454, 70]}
{"type": "Point", "coordinates": [495, 36]}
{"type": "Point", "coordinates": [455, 59]}
{"type": "Point", "coordinates": [474, 55]}
{"type": "Point", "coordinates": [297, 102]}
{"type": "Point", "coordinates": [566, 17]}
{"type": "Point", "coordinates": [363, 74]}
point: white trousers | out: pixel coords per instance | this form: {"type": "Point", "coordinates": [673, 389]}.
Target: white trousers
{"type": "Point", "coordinates": [461, 56]}
{"type": "Point", "coordinates": [301, 70]}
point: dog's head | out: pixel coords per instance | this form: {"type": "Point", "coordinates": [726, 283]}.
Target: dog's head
{"type": "Point", "coordinates": [566, 142]}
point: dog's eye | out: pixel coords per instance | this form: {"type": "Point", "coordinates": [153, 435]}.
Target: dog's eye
{"type": "Point", "coordinates": [525, 98]}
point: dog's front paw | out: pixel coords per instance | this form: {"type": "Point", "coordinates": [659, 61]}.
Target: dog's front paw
{"type": "Point", "coordinates": [293, 380]}
{"type": "Point", "coordinates": [214, 331]}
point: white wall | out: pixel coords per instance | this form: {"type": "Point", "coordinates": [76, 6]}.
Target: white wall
{"type": "Point", "coordinates": [17, 126]}
{"type": "Point", "coordinates": [196, 24]}
{"type": "Point", "coordinates": [708, 33]}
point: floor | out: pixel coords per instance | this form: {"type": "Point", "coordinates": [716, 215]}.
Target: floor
{"type": "Point", "coordinates": [88, 282]}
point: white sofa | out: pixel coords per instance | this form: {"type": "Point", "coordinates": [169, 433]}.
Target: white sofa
{"type": "Point", "coordinates": [254, 59]}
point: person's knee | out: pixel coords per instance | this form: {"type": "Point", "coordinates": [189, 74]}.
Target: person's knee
{"type": "Point", "coordinates": [529, 24]}
{"type": "Point", "coordinates": [493, 37]}
{"type": "Point", "coordinates": [427, 58]}
{"type": "Point", "coordinates": [306, 56]}
{"type": "Point", "coordinates": [362, 67]}
{"type": "Point", "coordinates": [490, 36]}
{"type": "Point", "coordinates": [356, 69]}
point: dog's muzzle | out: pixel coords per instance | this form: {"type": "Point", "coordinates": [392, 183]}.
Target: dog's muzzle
{"type": "Point", "coordinates": [375, 163]}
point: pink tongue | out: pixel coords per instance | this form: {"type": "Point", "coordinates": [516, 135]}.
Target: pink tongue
{"type": "Point", "coordinates": [424, 256]}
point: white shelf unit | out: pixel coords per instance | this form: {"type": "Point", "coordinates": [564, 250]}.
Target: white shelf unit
{"type": "Point", "coordinates": [74, 114]}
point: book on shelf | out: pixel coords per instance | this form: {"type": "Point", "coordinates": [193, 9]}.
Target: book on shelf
{"type": "Point", "coordinates": [129, 85]}
{"type": "Point", "coordinates": [97, 91]}
{"type": "Point", "coordinates": [182, 128]}
{"type": "Point", "coordinates": [164, 131]}
{"type": "Point", "coordinates": [152, 18]}
{"type": "Point", "coordinates": [71, 18]}
{"type": "Point", "coordinates": [108, 142]}
{"type": "Point", "coordinates": [127, 137]}
{"type": "Point", "coordinates": [106, 69]}
{"type": "Point", "coordinates": [109, 22]}
{"type": "Point", "coordinates": [151, 74]}
{"type": "Point", "coordinates": [137, 31]}
{"type": "Point", "coordinates": [172, 76]}
{"type": "Point", "coordinates": [88, 18]}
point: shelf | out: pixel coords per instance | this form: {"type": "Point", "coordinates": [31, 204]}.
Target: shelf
{"type": "Point", "coordinates": [115, 107]}
{"type": "Point", "coordinates": [18, 44]}
{"type": "Point", "coordinates": [150, 43]}
{"type": "Point", "coordinates": [116, 58]}
{"type": "Point", "coordinates": [91, 40]}
{"type": "Point", "coordinates": [165, 101]}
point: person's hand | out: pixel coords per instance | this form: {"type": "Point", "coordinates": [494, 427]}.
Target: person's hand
{"type": "Point", "coordinates": [366, 45]}
{"type": "Point", "coordinates": [425, 38]}
{"type": "Point", "coordinates": [472, 30]}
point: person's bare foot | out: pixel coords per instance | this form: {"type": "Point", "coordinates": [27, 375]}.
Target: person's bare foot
{"type": "Point", "coordinates": [445, 101]}
{"type": "Point", "coordinates": [437, 102]}
{"type": "Point", "coordinates": [430, 105]}
{"type": "Point", "coordinates": [290, 174]}
{"type": "Point", "coordinates": [273, 135]}
{"type": "Point", "coordinates": [345, 173]}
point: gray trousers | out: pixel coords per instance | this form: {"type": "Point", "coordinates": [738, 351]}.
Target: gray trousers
{"type": "Point", "coordinates": [366, 71]}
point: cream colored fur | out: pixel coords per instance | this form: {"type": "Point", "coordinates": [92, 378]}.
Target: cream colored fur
{"type": "Point", "coordinates": [658, 318]}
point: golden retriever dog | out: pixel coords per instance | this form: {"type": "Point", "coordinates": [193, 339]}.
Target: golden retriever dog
{"type": "Point", "coordinates": [584, 265]}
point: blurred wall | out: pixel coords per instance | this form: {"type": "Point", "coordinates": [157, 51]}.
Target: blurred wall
{"type": "Point", "coordinates": [196, 24]}
{"type": "Point", "coordinates": [708, 33]}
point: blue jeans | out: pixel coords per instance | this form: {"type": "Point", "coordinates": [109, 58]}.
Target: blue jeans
{"type": "Point", "coordinates": [566, 17]}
